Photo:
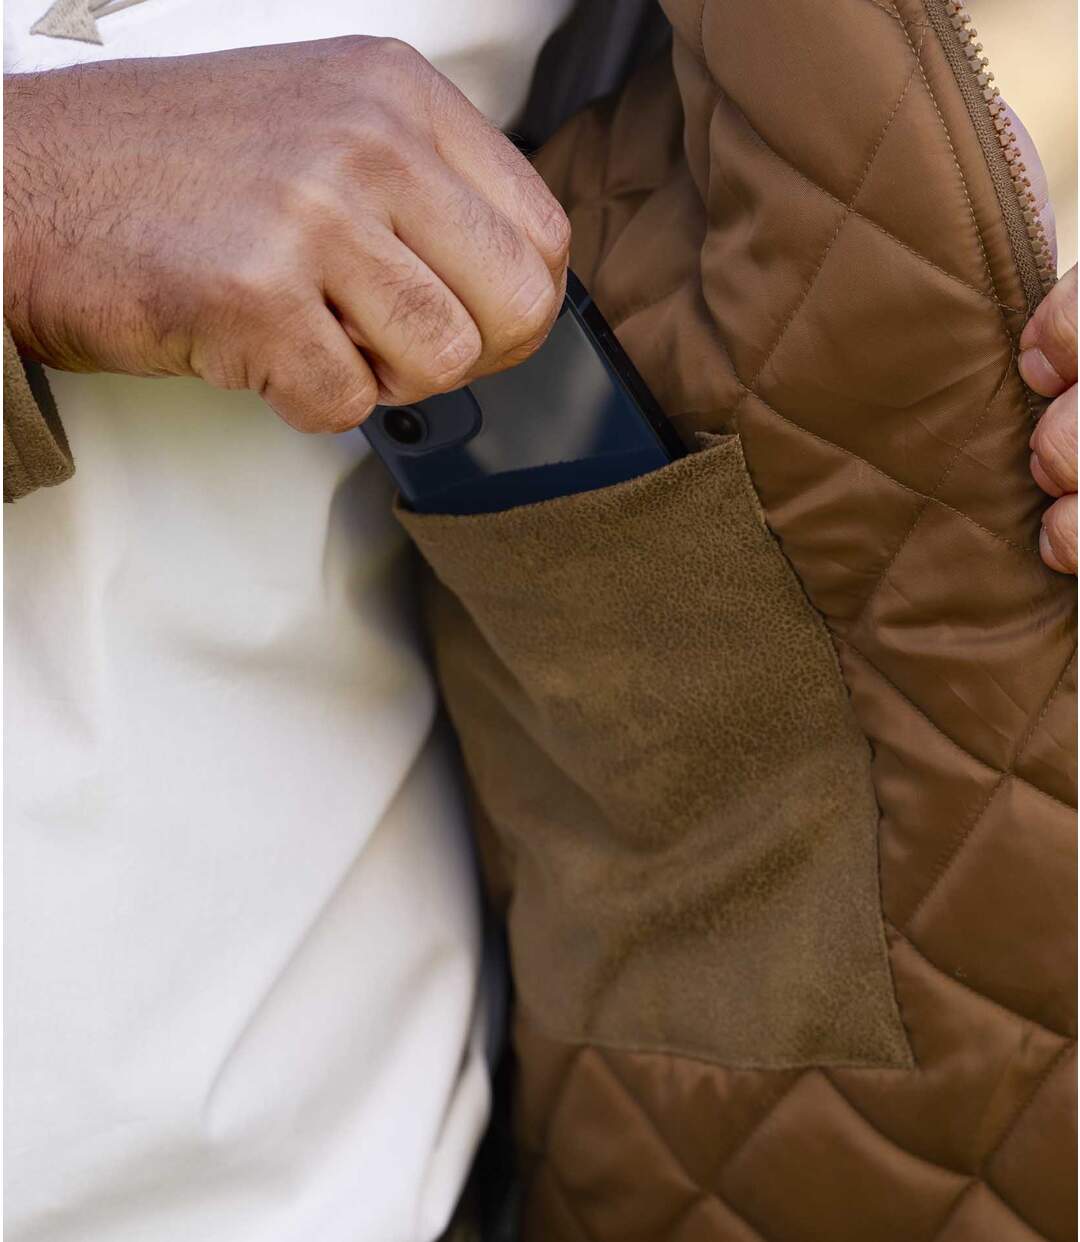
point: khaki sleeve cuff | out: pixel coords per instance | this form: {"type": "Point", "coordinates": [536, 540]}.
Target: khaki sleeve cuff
{"type": "Point", "coordinates": [36, 452]}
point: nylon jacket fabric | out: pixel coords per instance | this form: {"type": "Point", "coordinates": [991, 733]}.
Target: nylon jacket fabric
{"type": "Point", "coordinates": [799, 238]}
{"type": "Point", "coordinates": [796, 232]}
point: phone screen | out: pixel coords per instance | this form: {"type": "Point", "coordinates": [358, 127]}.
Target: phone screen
{"type": "Point", "coordinates": [572, 417]}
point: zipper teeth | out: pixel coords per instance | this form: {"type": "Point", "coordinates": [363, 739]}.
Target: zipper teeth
{"type": "Point", "coordinates": [967, 36]}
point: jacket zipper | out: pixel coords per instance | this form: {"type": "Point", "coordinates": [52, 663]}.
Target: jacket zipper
{"type": "Point", "coordinates": [958, 38]}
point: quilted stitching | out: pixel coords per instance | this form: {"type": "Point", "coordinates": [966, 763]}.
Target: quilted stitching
{"type": "Point", "coordinates": [927, 497]}
{"type": "Point", "coordinates": [805, 292]}
{"type": "Point", "coordinates": [590, 1061]}
{"type": "Point", "coordinates": [970, 829]}
{"type": "Point", "coordinates": [999, 772]}
{"type": "Point", "coordinates": [977, 1197]}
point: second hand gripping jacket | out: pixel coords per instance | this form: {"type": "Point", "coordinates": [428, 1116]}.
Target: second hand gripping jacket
{"type": "Point", "coordinates": [773, 751]}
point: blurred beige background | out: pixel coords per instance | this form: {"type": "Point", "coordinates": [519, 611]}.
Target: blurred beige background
{"type": "Point", "coordinates": [1032, 49]}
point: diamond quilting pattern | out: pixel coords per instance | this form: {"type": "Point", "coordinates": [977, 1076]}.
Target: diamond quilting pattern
{"type": "Point", "coordinates": [747, 297]}
{"type": "Point", "coordinates": [1005, 897]}
{"type": "Point", "coordinates": [980, 1215]}
{"type": "Point", "coordinates": [1048, 760]}
{"type": "Point", "coordinates": [973, 1098]}
{"type": "Point", "coordinates": [818, 493]}
{"type": "Point", "coordinates": [921, 775]}
{"type": "Point", "coordinates": [848, 74]}
{"type": "Point", "coordinates": [918, 630]}
{"type": "Point", "coordinates": [1035, 1164]}
{"type": "Point", "coordinates": [845, 1169]}
{"type": "Point", "coordinates": [906, 194]}
{"type": "Point", "coordinates": [593, 1170]}
{"type": "Point", "coordinates": [972, 752]}
{"type": "Point", "coordinates": [817, 380]}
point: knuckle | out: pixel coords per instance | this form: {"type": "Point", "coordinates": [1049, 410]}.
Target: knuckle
{"type": "Point", "coordinates": [381, 145]}
{"type": "Point", "coordinates": [311, 196]}
{"type": "Point", "coordinates": [453, 359]}
{"type": "Point", "coordinates": [526, 329]}
{"type": "Point", "coordinates": [316, 416]}
{"type": "Point", "coordinates": [555, 229]}
{"type": "Point", "coordinates": [223, 370]}
{"type": "Point", "coordinates": [385, 61]}
{"type": "Point", "coordinates": [507, 243]}
{"type": "Point", "coordinates": [300, 418]}
{"type": "Point", "coordinates": [440, 345]}
{"type": "Point", "coordinates": [252, 290]}
{"type": "Point", "coordinates": [421, 308]}
{"type": "Point", "coordinates": [398, 52]}
{"type": "Point", "coordinates": [315, 393]}
{"type": "Point", "coordinates": [489, 229]}
{"type": "Point", "coordinates": [349, 45]}
{"type": "Point", "coordinates": [350, 402]}
{"type": "Point", "coordinates": [400, 61]}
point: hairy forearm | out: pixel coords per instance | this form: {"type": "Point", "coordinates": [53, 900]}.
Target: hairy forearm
{"type": "Point", "coordinates": [69, 191]}
{"type": "Point", "coordinates": [26, 175]}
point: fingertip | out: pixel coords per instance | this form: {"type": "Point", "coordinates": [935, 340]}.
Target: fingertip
{"type": "Point", "coordinates": [1057, 539]}
{"type": "Point", "coordinates": [1038, 373]}
{"type": "Point", "coordinates": [1049, 556]}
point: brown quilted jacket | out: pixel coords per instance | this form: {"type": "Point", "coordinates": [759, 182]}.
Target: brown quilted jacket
{"type": "Point", "coordinates": [773, 751]}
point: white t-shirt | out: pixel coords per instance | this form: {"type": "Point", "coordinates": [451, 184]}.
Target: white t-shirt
{"type": "Point", "coordinates": [243, 954]}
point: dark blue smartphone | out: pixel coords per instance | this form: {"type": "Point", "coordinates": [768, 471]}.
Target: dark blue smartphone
{"type": "Point", "coordinates": [573, 417]}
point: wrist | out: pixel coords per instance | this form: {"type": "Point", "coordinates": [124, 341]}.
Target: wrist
{"type": "Point", "coordinates": [31, 194]}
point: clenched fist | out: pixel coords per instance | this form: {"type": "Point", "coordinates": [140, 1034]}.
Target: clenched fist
{"type": "Point", "coordinates": [331, 224]}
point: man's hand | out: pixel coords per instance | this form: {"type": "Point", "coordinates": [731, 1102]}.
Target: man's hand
{"type": "Point", "coordinates": [1047, 343]}
{"type": "Point", "coordinates": [331, 224]}
{"type": "Point", "coordinates": [1048, 366]}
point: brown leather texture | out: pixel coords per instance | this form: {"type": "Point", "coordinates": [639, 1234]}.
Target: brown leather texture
{"type": "Point", "coordinates": [794, 229]}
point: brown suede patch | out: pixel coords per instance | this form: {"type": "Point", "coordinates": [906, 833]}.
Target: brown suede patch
{"type": "Point", "coordinates": [36, 452]}
{"type": "Point", "coordinates": [656, 727]}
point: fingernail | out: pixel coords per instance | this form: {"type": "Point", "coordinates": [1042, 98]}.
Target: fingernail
{"type": "Point", "coordinates": [1046, 551]}
{"type": "Point", "coordinates": [1038, 374]}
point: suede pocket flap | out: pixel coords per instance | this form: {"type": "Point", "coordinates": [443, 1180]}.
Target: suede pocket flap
{"type": "Point", "coordinates": [656, 728]}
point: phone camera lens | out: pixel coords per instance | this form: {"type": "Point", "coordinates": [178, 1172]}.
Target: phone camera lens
{"type": "Point", "coordinates": [404, 425]}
